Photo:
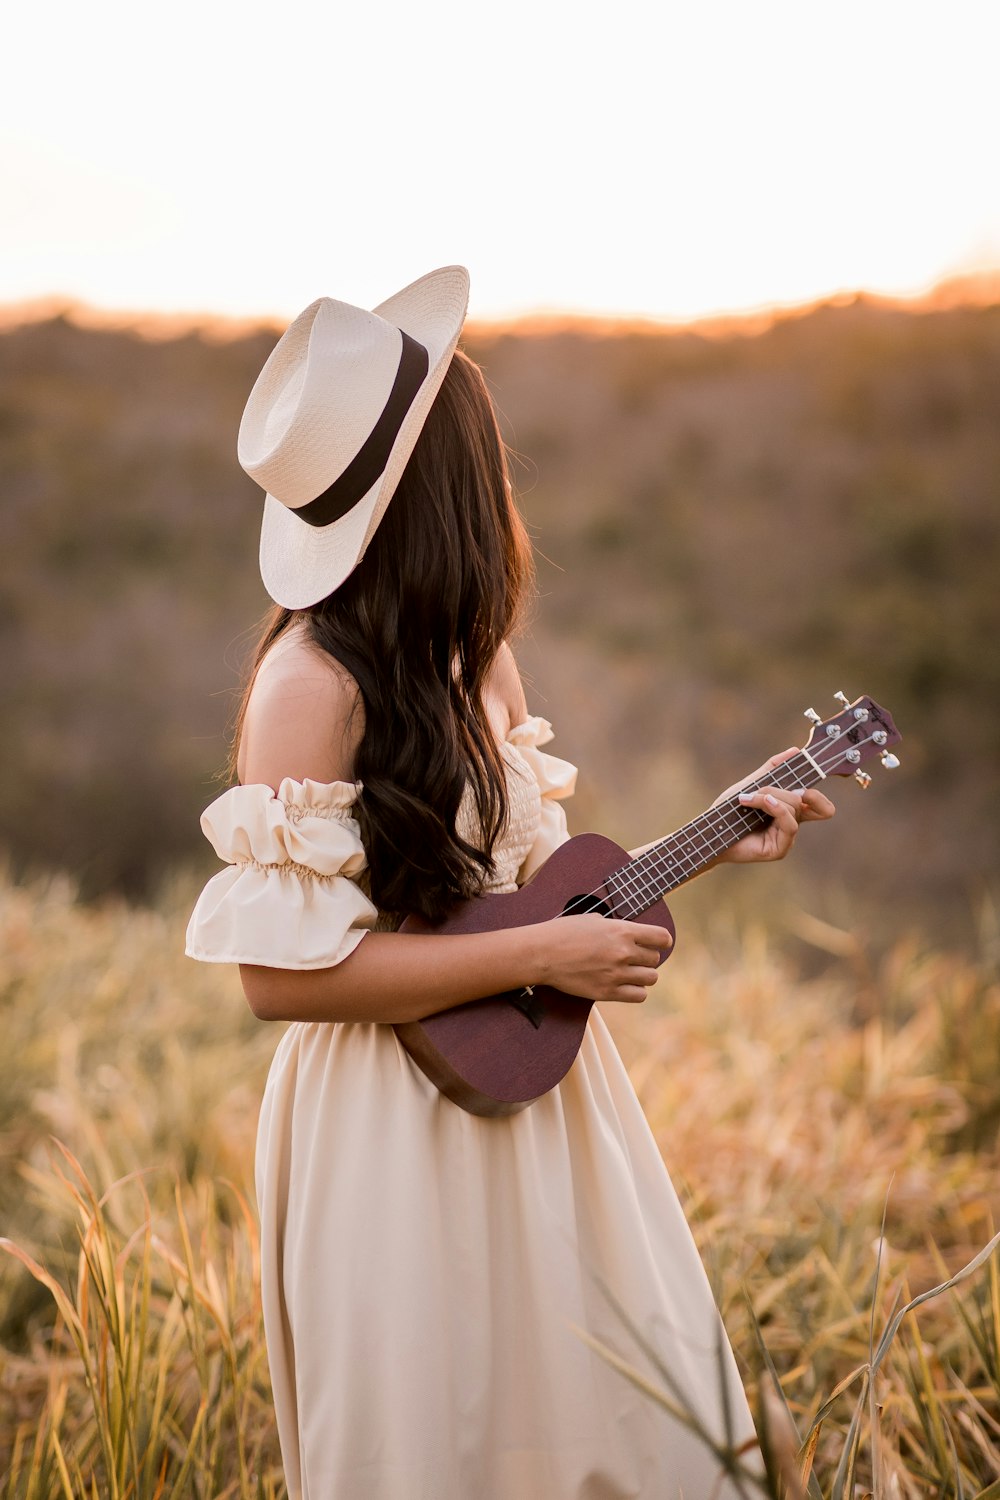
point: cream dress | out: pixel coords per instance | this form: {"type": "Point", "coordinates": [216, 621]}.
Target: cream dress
{"type": "Point", "coordinates": [426, 1272]}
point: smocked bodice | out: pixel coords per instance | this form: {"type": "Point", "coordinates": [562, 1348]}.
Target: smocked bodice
{"type": "Point", "coordinates": [524, 806]}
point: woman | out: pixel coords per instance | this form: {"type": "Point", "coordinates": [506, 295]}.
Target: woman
{"type": "Point", "coordinates": [425, 1271]}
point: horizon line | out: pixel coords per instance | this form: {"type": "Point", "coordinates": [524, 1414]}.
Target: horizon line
{"type": "Point", "coordinates": [965, 289]}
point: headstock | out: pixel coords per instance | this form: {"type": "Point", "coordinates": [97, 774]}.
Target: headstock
{"type": "Point", "coordinates": [840, 746]}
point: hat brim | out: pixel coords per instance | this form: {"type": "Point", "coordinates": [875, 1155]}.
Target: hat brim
{"type": "Point", "coordinates": [301, 564]}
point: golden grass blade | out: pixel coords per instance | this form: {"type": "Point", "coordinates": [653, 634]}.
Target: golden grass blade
{"type": "Point", "coordinates": [66, 1309]}
{"type": "Point", "coordinates": [984, 1334]}
{"type": "Point", "coordinates": [808, 1453]}
{"type": "Point", "coordinates": [843, 1479]}
{"type": "Point", "coordinates": [179, 1486]}
{"type": "Point", "coordinates": [67, 1487]}
{"type": "Point", "coordinates": [878, 1267]}
{"type": "Point", "coordinates": [37, 1473]}
{"type": "Point", "coordinates": [935, 1291]}
{"type": "Point", "coordinates": [959, 1491]}
{"type": "Point", "coordinates": [975, 1429]}
{"type": "Point", "coordinates": [84, 1194]}
{"type": "Point", "coordinates": [838, 1390]}
{"type": "Point", "coordinates": [14, 1466]}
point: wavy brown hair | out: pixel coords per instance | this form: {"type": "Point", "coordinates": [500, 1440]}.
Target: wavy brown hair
{"type": "Point", "coordinates": [418, 625]}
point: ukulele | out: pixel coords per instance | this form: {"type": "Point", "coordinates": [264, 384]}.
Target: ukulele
{"type": "Point", "coordinates": [497, 1055]}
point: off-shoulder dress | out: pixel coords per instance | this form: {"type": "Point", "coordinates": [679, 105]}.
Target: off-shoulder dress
{"type": "Point", "coordinates": [428, 1276]}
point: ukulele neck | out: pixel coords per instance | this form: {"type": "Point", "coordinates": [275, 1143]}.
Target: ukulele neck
{"type": "Point", "coordinates": [681, 855]}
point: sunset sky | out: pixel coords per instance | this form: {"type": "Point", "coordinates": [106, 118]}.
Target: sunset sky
{"type": "Point", "coordinates": [668, 160]}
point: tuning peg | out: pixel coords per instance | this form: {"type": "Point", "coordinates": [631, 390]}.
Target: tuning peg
{"type": "Point", "coordinates": [812, 716]}
{"type": "Point", "coordinates": [889, 760]}
{"type": "Point", "coordinates": [863, 779]}
{"type": "Point", "coordinates": [843, 698]}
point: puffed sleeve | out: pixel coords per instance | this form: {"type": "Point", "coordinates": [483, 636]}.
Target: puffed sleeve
{"type": "Point", "coordinates": [289, 898]}
{"type": "Point", "coordinates": [556, 780]}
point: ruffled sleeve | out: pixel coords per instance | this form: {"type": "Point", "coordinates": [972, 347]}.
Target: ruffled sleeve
{"type": "Point", "coordinates": [556, 780]}
{"type": "Point", "coordinates": [289, 898]}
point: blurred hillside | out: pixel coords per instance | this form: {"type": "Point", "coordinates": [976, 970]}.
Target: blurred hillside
{"type": "Point", "coordinates": [731, 528]}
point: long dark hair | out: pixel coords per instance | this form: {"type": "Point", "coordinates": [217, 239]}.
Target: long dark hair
{"type": "Point", "coordinates": [418, 625]}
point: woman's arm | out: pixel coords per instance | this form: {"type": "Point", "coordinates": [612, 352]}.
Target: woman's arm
{"type": "Point", "coordinates": [398, 976]}
{"type": "Point", "coordinates": [300, 723]}
{"type": "Point", "coordinates": [401, 976]}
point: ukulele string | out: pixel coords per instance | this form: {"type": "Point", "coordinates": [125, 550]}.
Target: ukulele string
{"type": "Point", "coordinates": [624, 879]}
{"type": "Point", "coordinates": [636, 891]}
{"type": "Point", "coordinates": [732, 819]}
{"type": "Point", "coordinates": [727, 817]}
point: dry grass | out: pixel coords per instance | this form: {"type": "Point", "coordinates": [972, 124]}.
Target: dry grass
{"type": "Point", "coordinates": [796, 1114]}
{"type": "Point", "coordinates": [134, 1363]}
{"type": "Point", "coordinates": [836, 1140]}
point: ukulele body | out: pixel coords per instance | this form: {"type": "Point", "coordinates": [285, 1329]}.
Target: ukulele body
{"type": "Point", "coordinates": [495, 1056]}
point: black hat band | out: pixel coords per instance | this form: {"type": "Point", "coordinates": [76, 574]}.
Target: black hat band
{"type": "Point", "coordinates": [368, 464]}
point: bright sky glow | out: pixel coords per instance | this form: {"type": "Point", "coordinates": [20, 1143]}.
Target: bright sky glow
{"type": "Point", "coordinates": [662, 159]}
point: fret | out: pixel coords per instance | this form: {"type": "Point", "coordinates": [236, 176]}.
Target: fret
{"type": "Point", "coordinates": [682, 855]}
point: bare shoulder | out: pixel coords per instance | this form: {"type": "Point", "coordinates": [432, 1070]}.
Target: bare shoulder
{"type": "Point", "coordinates": [303, 717]}
{"type": "Point", "coordinates": [506, 689]}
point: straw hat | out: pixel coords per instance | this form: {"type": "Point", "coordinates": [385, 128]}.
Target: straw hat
{"type": "Point", "coordinates": [332, 420]}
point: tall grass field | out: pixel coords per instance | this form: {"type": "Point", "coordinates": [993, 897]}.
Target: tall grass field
{"type": "Point", "coordinates": [829, 1115]}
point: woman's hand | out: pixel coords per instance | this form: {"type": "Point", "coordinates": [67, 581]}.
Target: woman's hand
{"type": "Point", "coordinates": [601, 958]}
{"type": "Point", "coordinates": [786, 809]}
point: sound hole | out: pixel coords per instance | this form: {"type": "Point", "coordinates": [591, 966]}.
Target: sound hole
{"type": "Point", "coordinates": [578, 905]}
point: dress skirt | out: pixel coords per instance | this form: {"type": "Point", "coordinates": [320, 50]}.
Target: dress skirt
{"type": "Point", "coordinates": [427, 1274]}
